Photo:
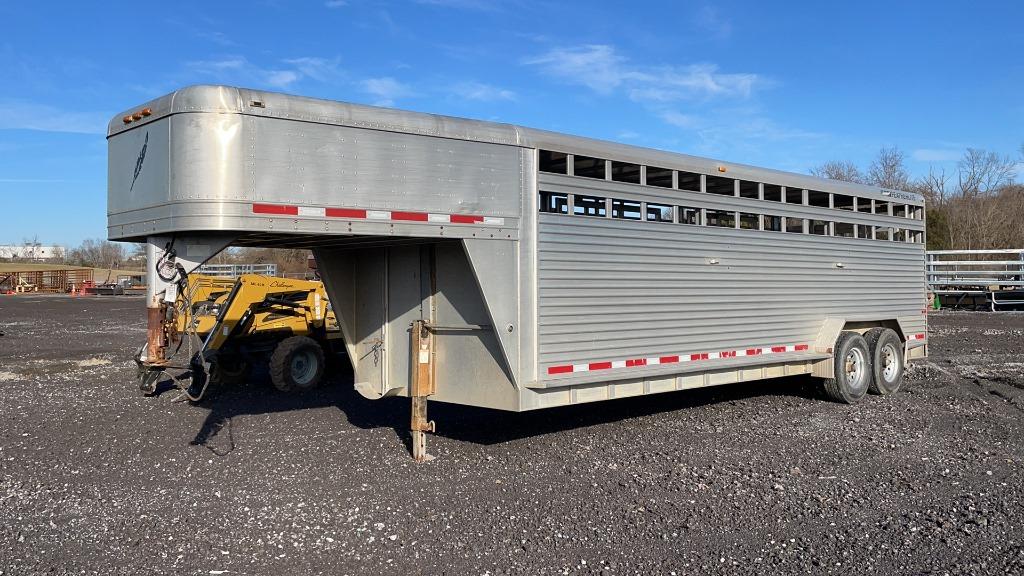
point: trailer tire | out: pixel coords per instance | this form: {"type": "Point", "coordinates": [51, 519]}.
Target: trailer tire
{"type": "Point", "coordinates": [852, 369]}
{"type": "Point", "coordinates": [887, 360]}
{"type": "Point", "coordinates": [297, 364]}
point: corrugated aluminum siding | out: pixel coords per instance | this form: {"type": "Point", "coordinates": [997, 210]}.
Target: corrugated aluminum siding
{"type": "Point", "coordinates": [612, 289]}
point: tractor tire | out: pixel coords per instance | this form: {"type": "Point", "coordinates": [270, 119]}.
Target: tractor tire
{"type": "Point", "coordinates": [886, 360]}
{"type": "Point", "coordinates": [297, 364]}
{"type": "Point", "coordinates": [852, 369]}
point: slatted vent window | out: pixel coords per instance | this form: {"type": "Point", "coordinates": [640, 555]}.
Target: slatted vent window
{"type": "Point", "coordinates": [721, 218]}
{"type": "Point", "coordinates": [554, 203]}
{"type": "Point", "coordinates": [794, 195]}
{"type": "Point", "coordinates": [588, 167]}
{"type": "Point", "coordinates": [689, 215]}
{"type": "Point", "coordinates": [689, 181]}
{"type": "Point", "coordinates": [723, 186]}
{"type": "Point", "coordinates": [842, 202]}
{"type": "Point", "coordinates": [749, 221]}
{"type": "Point", "coordinates": [625, 209]}
{"type": "Point", "coordinates": [844, 229]}
{"type": "Point", "coordinates": [659, 213]}
{"type": "Point", "coordinates": [794, 225]}
{"type": "Point", "coordinates": [589, 206]}
{"type": "Point", "coordinates": [818, 199]}
{"type": "Point", "coordinates": [771, 223]}
{"type": "Point", "coordinates": [749, 189]}
{"type": "Point", "coordinates": [773, 192]}
{"type": "Point", "coordinates": [819, 227]}
{"type": "Point", "coordinates": [661, 177]}
{"type": "Point", "coordinates": [554, 162]}
{"type": "Point", "coordinates": [623, 172]}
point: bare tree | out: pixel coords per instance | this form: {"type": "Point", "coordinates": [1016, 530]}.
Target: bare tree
{"type": "Point", "coordinates": [839, 170]}
{"type": "Point", "coordinates": [888, 170]}
{"type": "Point", "coordinates": [981, 173]}
{"type": "Point", "coordinates": [933, 186]}
{"type": "Point", "coordinates": [97, 253]}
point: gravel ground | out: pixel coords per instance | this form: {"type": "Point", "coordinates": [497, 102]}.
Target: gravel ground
{"type": "Point", "coordinates": [755, 478]}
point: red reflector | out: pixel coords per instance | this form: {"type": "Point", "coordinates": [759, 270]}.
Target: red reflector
{"type": "Point", "coordinates": [668, 359]}
{"type": "Point", "coordinates": [559, 369]}
{"type": "Point", "coordinates": [275, 209]}
{"type": "Point", "coordinates": [344, 213]}
{"type": "Point", "coordinates": [637, 362]}
{"type": "Point", "coordinates": [800, 347]}
{"type": "Point", "coordinates": [778, 348]}
{"type": "Point", "coordinates": [753, 351]}
{"type": "Point", "coordinates": [413, 216]}
{"type": "Point", "coordinates": [464, 219]}
{"type": "Point", "coordinates": [599, 365]}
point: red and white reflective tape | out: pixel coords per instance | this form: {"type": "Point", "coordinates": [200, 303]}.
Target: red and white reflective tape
{"type": "Point", "coordinates": [362, 214]}
{"type": "Point", "coordinates": [674, 359]}
{"type": "Point", "coordinates": [917, 336]}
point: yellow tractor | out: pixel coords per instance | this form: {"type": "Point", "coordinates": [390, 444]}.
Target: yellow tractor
{"type": "Point", "coordinates": [239, 323]}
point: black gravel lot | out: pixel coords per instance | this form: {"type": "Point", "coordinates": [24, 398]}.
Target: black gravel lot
{"type": "Point", "coordinates": [760, 478]}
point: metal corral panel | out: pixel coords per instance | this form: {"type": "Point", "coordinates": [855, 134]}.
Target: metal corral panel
{"type": "Point", "coordinates": [616, 290]}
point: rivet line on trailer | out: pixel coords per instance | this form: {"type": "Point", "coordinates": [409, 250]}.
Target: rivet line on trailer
{"type": "Point", "coordinates": [361, 214]}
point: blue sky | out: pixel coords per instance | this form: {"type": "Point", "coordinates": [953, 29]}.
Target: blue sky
{"type": "Point", "coordinates": [784, 85]}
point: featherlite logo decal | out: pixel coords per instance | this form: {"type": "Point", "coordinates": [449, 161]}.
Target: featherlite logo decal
{"type": "Point", "coordinates": [138, 162]}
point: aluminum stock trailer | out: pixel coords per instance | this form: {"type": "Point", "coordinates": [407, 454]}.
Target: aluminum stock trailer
{"type": "Point", "coordinates": [493, 265]}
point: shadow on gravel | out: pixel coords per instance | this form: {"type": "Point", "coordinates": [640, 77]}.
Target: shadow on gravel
{"type": "Point", "coordinates": [466, 423]}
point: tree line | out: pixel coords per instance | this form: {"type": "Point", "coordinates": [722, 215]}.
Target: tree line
{"type": "Point", "coordinates": [100, 253]}
{"type": "Point", "coordinates": [976, 205]}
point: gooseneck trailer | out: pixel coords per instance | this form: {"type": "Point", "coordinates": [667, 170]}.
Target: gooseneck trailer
{"type": "Point", "coordinates": [492, 265]}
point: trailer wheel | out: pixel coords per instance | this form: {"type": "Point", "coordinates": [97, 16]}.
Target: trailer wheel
{"type": "Point", "coordinates": [886, 360]}
{"type": "Point", "coordinates": [297, 364]}
{"type": "Point", "coordinates": [852, 373]}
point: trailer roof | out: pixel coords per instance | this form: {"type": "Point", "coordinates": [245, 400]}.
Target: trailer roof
{"type": "Point", "coordinates": [229, 99]}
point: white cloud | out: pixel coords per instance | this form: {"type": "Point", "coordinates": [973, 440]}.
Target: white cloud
{"type": "Point", "coordinates": [936, 155]}
{"type": "Point", "coordinates": [21, 115]}
{"type": "Point", "coordinates": [595, 66]}
{"type": "Point", "coordinates": [715, 112]}
{"type": "Point", "coordinates": [680, 120]}
{"type": "Point", "coordinates": [239, 70]}
{"type": "Point", "coordinates": [319, 69]}
{"type": "Point", "coordinates": [482, 92]}
{"type": "Point", "coordinates": [281, 78]}
{"type": "Point", "coordinates": [386, 90]}
{"type": "Point", "coordinates": [600, 68]}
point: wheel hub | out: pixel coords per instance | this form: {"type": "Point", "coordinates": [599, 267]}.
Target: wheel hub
{"type": "Point", "coordinates": [854, 366]}
{"type": "Point", "coordinates": [890, 366]}
{"type": "Point", "coordinates": [303, 367]}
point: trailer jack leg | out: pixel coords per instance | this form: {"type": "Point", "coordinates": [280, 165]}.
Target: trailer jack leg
{"type": "Point", "coordinates": [423, 385]}
{"type": "Point", "coordinates": [420, 427]}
